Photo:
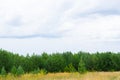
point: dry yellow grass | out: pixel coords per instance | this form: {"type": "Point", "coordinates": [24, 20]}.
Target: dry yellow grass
{"type": "Point", "coordinates": [67, 76]}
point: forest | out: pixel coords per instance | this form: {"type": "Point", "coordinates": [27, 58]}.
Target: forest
{"type": "Point", "coordinates": [58, 62]}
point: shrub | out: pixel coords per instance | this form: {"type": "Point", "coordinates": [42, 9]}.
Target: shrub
{"type": "Point", "coordinates": [70, 68]}
{"type": "Point", "coordinates": [43, 71]}
{"type": "Point", "coordinates": [36, 71]}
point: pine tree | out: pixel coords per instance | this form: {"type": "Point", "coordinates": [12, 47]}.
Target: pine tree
{"type": "Point", "coordinates": [3, 71]}
{"type": "Point", "coordinates": [14, 70]}
{"type": "Point", "coordinates": [36, 71]}
{"type": "Point", "coordinates": [20, 71]}
{"type": "Point", "coordinates": [81, 66]}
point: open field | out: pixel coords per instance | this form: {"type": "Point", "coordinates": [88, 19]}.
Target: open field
{"type": "Point", "coordinates": [67, 76]}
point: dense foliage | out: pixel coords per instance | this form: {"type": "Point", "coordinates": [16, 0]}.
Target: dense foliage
{"type": "Point", "coordinates": [58, 62]}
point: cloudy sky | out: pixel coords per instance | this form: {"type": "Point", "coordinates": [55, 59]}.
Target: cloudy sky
{"type": "Point", "coordinates": [28, 26]}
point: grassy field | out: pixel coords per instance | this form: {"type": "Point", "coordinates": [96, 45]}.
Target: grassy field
{"type": "Point", "coordinates": [67, 76]}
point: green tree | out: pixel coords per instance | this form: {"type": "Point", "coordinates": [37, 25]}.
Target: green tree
{"type": "Point", "coordinates": [20, 71]}
{"type": "Point", "coordinates": [44, 59]}
{"type": "Point", "coordinates": [28, 65]}
{"type": "Point", "coordinates": [36, 62]}
{"type": "Point", "coordinates": [14, 70]}
{"type": "Point", "coordinates": [3, 71]}
{"type": "Point", "coordinates": [68, 57]}
{"type": "Point", "coordinates": [81, 66]}
{"type": "Point", "coordinates": [6, 59]}
{"type": "Point", "coordinates": [55, 63]}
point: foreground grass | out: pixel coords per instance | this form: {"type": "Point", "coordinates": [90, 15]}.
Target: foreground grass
{"type": "Point", "coordinates": [67, 76]}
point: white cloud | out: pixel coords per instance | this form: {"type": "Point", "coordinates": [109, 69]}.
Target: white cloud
{"type": "Point", "coordinates": [74, 23]}
{"type": "Point", "coordinates": [37, 16]}
{"type": "Point", "coordinates": [99, 28]}
{"type": "Point", "coordinates": [51, 17]}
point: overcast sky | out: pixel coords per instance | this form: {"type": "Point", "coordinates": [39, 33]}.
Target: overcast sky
{"type": "Point", "coordinates": [28, 26]}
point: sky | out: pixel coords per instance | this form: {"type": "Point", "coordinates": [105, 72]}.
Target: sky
{"type": "Point", "coordinates": [36, 26]}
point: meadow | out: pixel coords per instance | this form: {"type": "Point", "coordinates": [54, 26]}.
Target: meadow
{"type": "Point", "coordinates": [60, 66]}
{"type": "Point", "coordinates": [66, 76]}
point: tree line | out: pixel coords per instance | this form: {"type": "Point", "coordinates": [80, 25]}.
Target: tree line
{"type": "Point", "coordinates": [58, 62]}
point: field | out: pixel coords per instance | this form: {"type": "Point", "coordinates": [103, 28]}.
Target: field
{"type": "Point", "coordinates": [67, 76]}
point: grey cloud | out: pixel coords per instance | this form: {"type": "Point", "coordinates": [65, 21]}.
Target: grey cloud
{"type": "Point", "coordinates": [31, 36]}
{"type": "Point", "coordinates": [15, 22]}
{"type": "Point", "coordinates": [53, 35]}
{"type": "Point", "coordinates": [107, 12]}
{"type": "Point", "coordinates": [104, 8]}
{"type": "Point", "coordinates": [93, 12]}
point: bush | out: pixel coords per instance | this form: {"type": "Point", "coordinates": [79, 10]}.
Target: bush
{"type": "Point", "coordinates": [70, 68]}
{"type": "Point", "coordinates": [36, 71]}
{"type": "Point", "coordinates": [43, 71]}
